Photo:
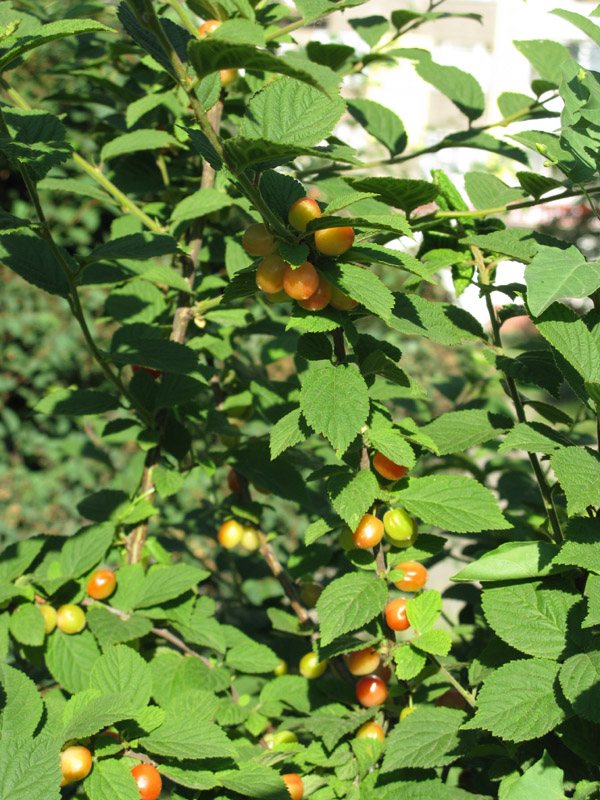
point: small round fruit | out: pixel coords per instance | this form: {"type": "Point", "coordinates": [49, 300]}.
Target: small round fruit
{"type": "Point", "coordinates": [302, 212]}
{"type": "Point", "coordinates": [148, 781]}
{"type": "Point", "coordinates": [281, 737]}
{"type": "Point", "coordinates": [395, 614]}
{"type": "Point", "coordinates": [281, 668]}
{"type": "Point", "coordinates": [369, 532]}
{"type": "Point", "coordinates": [451, 699]}
{"type": "Point", "coordinates": [209, 26]}
{"type": "Point", "coordinates": [269, 274]}
{"type": "Point", "coordinates": [387, 468]}
{"type": "Point", "coordinates": [371, 691]}
{"type": "Point", "coordinates": [406, 711]}
{"type": "Point", "coordinates": [320, 298]}
{"type": "Point", "coordinates": [49, 615]}
{"type": "Point", "coordinates": [400, 528]}
{"type": "Point", "coordinates": [154, 373]}
{"type": "Point", "coordinates": [346, 540]}
{"type": "Point", "coordinates": [75, 764]}
{"type": "Point", "coordinates": [301, 282]}
{"type": "Point", "coordinates": [294, 785]}
{"type": "Point", "coordinates": [363, 662]}
{"type": "Point", "coordinates": [310, 666]}
{"type": "Point", "coordinates": [415, 576]}
{"type": "Point", "coordinates": [341, 301]}
{"type": "Point", "coordinates": [250, 539]}
{"type": "Point", "coordinates": [230, 534]}
{"type": "Point", "coordinates": [70, 618]}
{"type": "Point", "coordinates": [310, 593]}
{"type": "Point", "coordinates": [334, 241]}
{"type": "Point", "coordinates": [102, 584]}
{"type": "Point", "coordinates": [371, 730]}
{"type": "Point", "coordinates": [227, 76]}
{"type": "Point", "coordinates": [233, 481]}
{"type": "Point", "coordinates": [258, 241]}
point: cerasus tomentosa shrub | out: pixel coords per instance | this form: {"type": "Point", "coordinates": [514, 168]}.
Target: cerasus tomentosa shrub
{"type": "Point", "coordinates": [251, 435]}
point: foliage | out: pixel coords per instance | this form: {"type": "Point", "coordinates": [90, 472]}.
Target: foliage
{"type": "Point", "coordinates": [152, 393]}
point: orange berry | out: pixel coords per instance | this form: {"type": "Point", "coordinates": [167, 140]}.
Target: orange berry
{"type": "Point", "coordinates": [369, 532]}
{"type": "Point", "coordinates": [370, 730]}
{"type": "Point", "coordinates": [334, 241]}
{"type": "Point", "coordinates": [227, 76]}
{"type": "Point", "coordinates": [75, 764]}
{"type": "Point", "coordinates": [395, 614]}
{"type": "Point", "coordinates": [371, 691]}
{"type": "Point", "coordinates": [415, 576]}
{"type": "Point", "coordinates": [269, 274]}
{"type": "Point", "coordinates": [301, 282]}
{"type": "Point", "coordinates": [148, 781]}
{"type": "Point", "coordinates": [209, 26]}
{"type": "Point", "coordinates": [363, 662]}
{"type": "Point", "coordinates": [302, 212]}
{"type": "Point", "coordinates": [319, 298]}
{"type": "Point", "coordinates": [258, 241]}
{"type": "Point", "coordinates": [102, 584]}
{"type": "Point", "coordinates": [387, 468]}
{"type": "Point", "coordinates": [294, 785]}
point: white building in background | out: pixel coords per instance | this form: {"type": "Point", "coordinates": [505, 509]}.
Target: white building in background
{"type": "Point", "coordinates": [486, 51]}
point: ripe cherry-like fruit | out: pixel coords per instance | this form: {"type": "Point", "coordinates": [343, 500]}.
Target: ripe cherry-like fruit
{"type": "Point", "coordinates": [310, 593]}
{"type": "Point", "coordinates": [371, 691]}
{"type": "Point", "coordinates": [75, 764]}
{"type": "Point", "coordinates": [371, 730]}
{"type": "Point", "coordinates": [406, 711]}
{"type": "Point", "coordinates": [341, 301]}
{"type": "Point", "coordinates": [451, 699]}
{"type": "Point", "coordinates": [369, 532]}
{"type": "Point", "coordinates": [395, 614]}
{"type": "Point", "coordinates": [310, 666]}
{"type": "Point", "coordinates": [258, 241]}
{"type": "Point", "coordinates": [148, 781]}
{"type": "Point", "coordinates": [319, 298]}
{"type": "Point", "coordinates": [209, 26]}
{"type": "Point", "coordinates": [281, 668]}
{"type": "Point", "coordinates": [102, 584]}
{"type": "Point", "coordinates": [387, 468]}
{"type": "Point", "coordinates": [301, 282]}
{"type": "Point", "coordinates": [250, 539]}
{"type": "Point", "coordinates": [302, 212]}
{"type": "Point", "coordinates": [400, 527]}
{"type": "Point", "coordinates": [415, 576]}
{"type": "Point", "coordinates": [363, 662]}
{"type": "Point", "coordinates": [70, 618]}
{"type": "Point", "coordinates": [154, 373]}
{"type": "Point", "coordinates": [233, 481]}
{"type": "Point", "coordinates": [228, 76]}
{"type": "Point", "coordinates": [269, 274]}
{"type": "Point", "coordinates": [334, 241]}
{"type": "Point", "coordinates": [294, 785]}
{"type": "Point", "coordinates": [230, 534]}
{"type": "Point", "coordinates": [281, 737]}
{"type": "Point", "coordinates": [49, 615]}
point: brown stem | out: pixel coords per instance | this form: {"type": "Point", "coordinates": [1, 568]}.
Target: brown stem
{"type": "Point", "coordinates": [284, 579]}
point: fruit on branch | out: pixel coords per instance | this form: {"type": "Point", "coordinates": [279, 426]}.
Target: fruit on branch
{"type": "Point", "coordinates": [233, 481]}
{"type": "Point", "coordinates": [451, 699]}
{"type": "Point", "coordinates": [406, 711]}
{"type": "Point", "coordinates": [281, 737]}
{"type": "Point", "coordinates": [310, 593]}
{"type": "Point", "coordinates": [228, 76]}
{"type": "Point", "coordinates": [334, 241]}
{"type": "Point", "coordinates": [415, 576]}
{"type": "Point", "coordinates": [310, 666]}
{"type": "Point", "coordinates": [387, 468]}
{"type": "Point", "coordinates": [302, 212]}
{"type": "Point", "coordinates": [346, 540]}
{"type": "Point", "coordinates": [102, 584]}
{"type": "Point", "coordinates": [281, 668]}
{"type": "Point", "coordinates": [371, 691]}
{"type": "Point", "coordinates": [294, 785]}
{"type": "Point", "coordinates": [148, 781]}
{"type": "Point", "coordinates": [341, 301]}
{"type": "Point", "coordinates": [369, 532]}
{"type": "Point", "coordinates": [319, 298]}
{"type": "Point", "coordinates": [363, 662]}
{"type": "Point", "coordinates": [301, 282]}
{"type": "Point", "coordinates": [257, 241]}
{"type": "Point", "coordinates": [75, 764]}
{"type": "Point", "coordinates": [211, 25]}
{"type": "Point", "coordinates": [230, 534]}
{"type": "Point", "coordinates": [395, 614]}
{"type": "Point", "coordinates": [371, 730]}
{"type": "Point", "coordinates": [49, 615]}
{"type": "Point", "coordinates": [70, 618]}
{"type": "Point", "coordinates": [269, 274]}
{"type": "Point", "coordinates": [250, 540]}
{"type": "Point", "coordinates": [400, 527]}
{"type": "Point", "coordinates": [154, 373]}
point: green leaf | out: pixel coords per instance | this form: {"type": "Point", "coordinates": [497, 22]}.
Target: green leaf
{"type": "Point", "coordinates": [381, 123]}
{"type": "Point", "coordinates": [371, 29]}
{"type": "Point", "coordinates": [543, 615]}
{"type": "Point", "coordinates": [537, 185]}
{"type": "Point", "coordinates": [289, 112]}
{"type": "Point", "coordinates": [441, 322]}
{"type": "Point", "coordinates": [38, 141]}
{"type": "Point", "coordinates": [199, 204]}
{"type": "Point", "coordinates": [86, 549]}
{"type": "Point", "coordinates": [364, 287]}
{"type": "Point", "coordinates": [166, 583]}
{"type": "Point", "coordinates": [22, 704]}
{"type": "Point", "coordinates": [581, 546]}
{"type": "Point", "coordinates": [423, 611]}
{"type": "Point", "coordinates": [426, 546]}
{"type": "Point", "coordinates": [545, 56]}
{"type": "Point", "coordinates": [33, 259]}
{"type": "Point", "coordinates": [403, 193]}
{"type": "Point", "coordinates": [512, 561]}
{"type": "Point", "coordinates": [456, 431]}
{"type": "Point", "coordinates": [518, 701]}
{"type": "Point", "coordinates": [437, 642]}
{"type": "Point", "coordinates": [409, 662]}
{"type": "Point", "coordinates": [458, 86]}
{"type": "Point", "coordinates": [349, 603]}
{"type": "Point", "coordinates": [453, 502]}
{"type": "Point", "coordinates": [580, 682]}
{"type": "Point", "coordinates": [487, 191]}
{"type": "Point", "coordinates": [583, 23]}
{"type": "Point", "coordinates": [70, 659]}
{"type": "Point", "coordinates": [288, 431]}
{"type": "Point", "coordinates": [533, 437]}
{"type": "Point", "coordinates": [252, 657]}
{"type": "Point", "coordinates": [335, 402]}
{"type": "Point", "coordinates": [254, 780]}
{"type": "Point", "coordinates": [515, 243]}
{"type": "Point", "coordinates": [91, 711]}
{"type": "Point", "coordinates": [136, 141]}
{"type": "Point", "coordinates": [555, 273]}
{"type": "Point", "coordinates": [27, 625]}
{"type": "Point", "coordinates": [429, 737]}
{"type": "Point", "coordinates": [77, 402]}
{"type": "Point", "coordinates": [120, 670]}
{"type": "Point", "coordinates": [543, 779]}
{"type": "Point", "coordinates": [592, 594]}
{"type": "Point", "coordinates": [317, 529]}
{"type": "Point", "coordinates": [352, 495]}
{"type": "Point", "coordinates": [577, 469]}
{"type": "Point", "coordinates": [240, 31]}
{"type": "Point", "coordinates": [29, 768]}
{"type": "Point", "coordinates": [110, 778]}
{"type": "Point", "coordinates": [393, 445]}
{"type": "Point", "coordinates": [17, 557]}
{"type": "Point", "coordinates": [112, 629]}
{"type": "Point", "coordinates": [167, 481]}
{"type": "Point", "coordinates": [137, 246]}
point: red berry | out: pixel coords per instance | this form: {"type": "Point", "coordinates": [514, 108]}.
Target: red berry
{"type": "Point", "coordinates": [415, 576]}
{"type": "Point", "coordinates": [148, 781]}
{"type": "Point", "coordinates": [387, 468]}
{"type": "Point", "coordinates": [451, 699]}
{"type": "Point", "coordinates": [395, 614]}
{"type": "Point", "coordinates": [102, 584]}
{"type": "Point", "coordinates": [233, 481]}
{"type": "Point", "coordinates": [369, 532]}
{"type": "Point", "coordinates": [371, 691]}
{"type": "Point", "coordinates": [301, 282]}
{"type": "Point", "coordinates": [319, 298]}
{"type": "Point", "coordinates": [154, 373]}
